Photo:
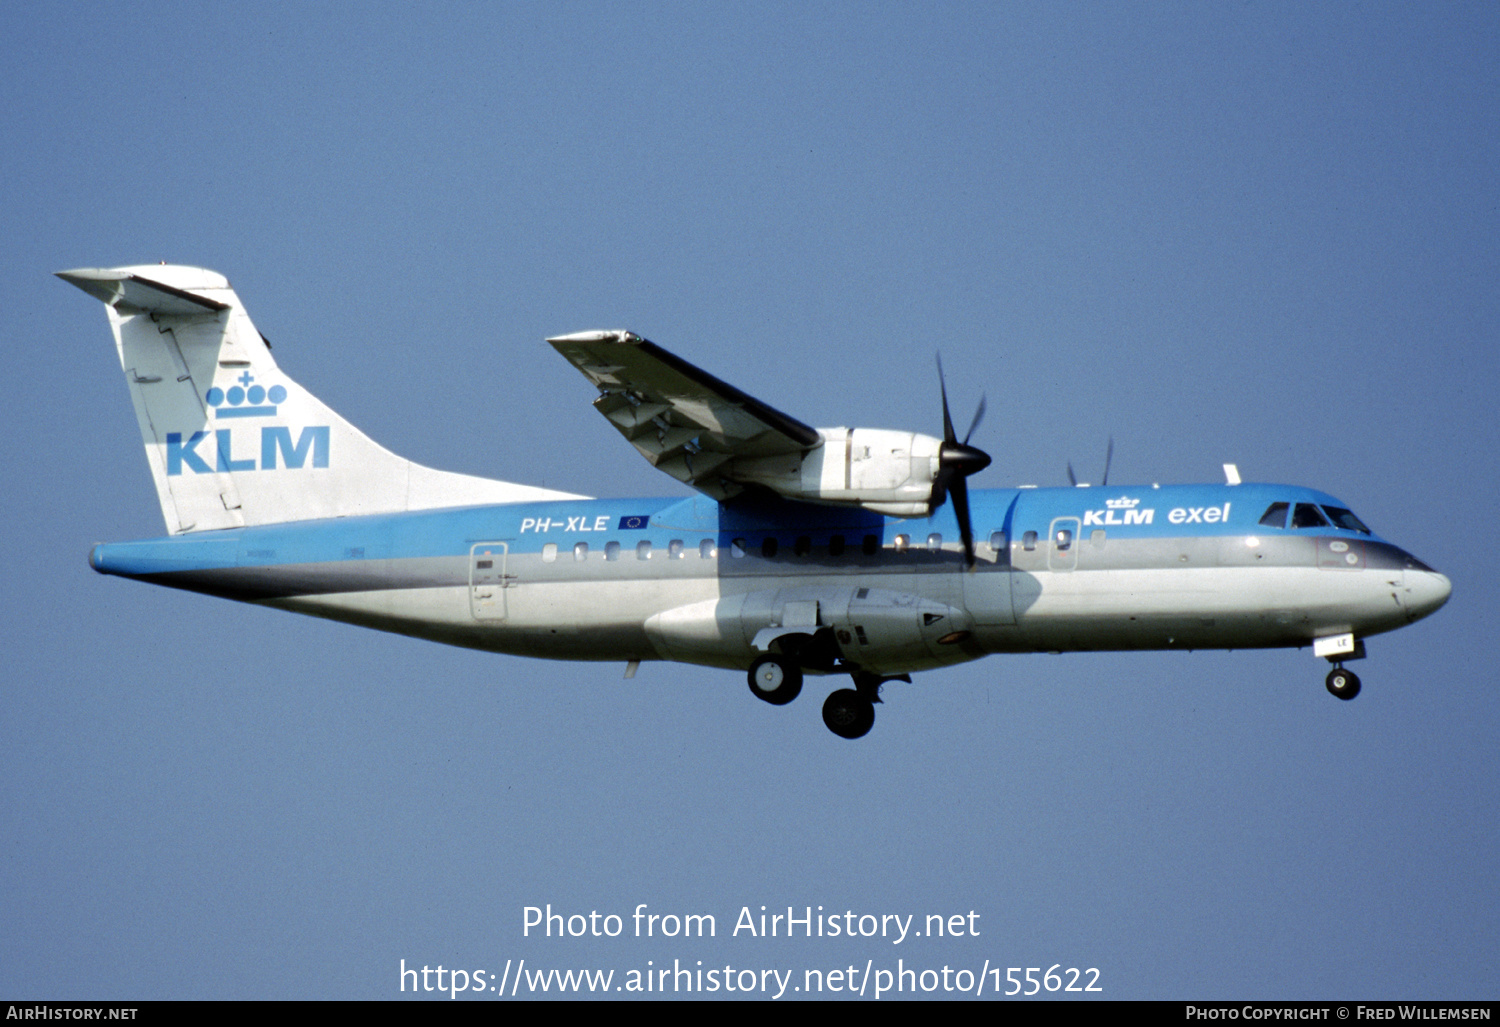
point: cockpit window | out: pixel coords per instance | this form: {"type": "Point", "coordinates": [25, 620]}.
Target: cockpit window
{"type": "Point", "coordinates": [1308, 516]}
{"type": "Point", "coordinates": [1275, 515]}
{"type": "Point", "coordinates": [1345, 519]}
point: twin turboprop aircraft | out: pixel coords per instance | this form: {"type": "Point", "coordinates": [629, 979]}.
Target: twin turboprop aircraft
{"type": "Point", "coordinates": [806, 550]}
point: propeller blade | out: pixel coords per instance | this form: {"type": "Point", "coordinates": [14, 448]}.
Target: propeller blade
{"type": "Point", "coordinates": [978, 416]}
{"type": "Point", "coordinates": [1109, 457]}
{"type": "Point", "coordinates": [948, 433]}
{"type": "Point", "coordinates": [956, 461]}
{"type": "Point", "coordinates": [961, 511]}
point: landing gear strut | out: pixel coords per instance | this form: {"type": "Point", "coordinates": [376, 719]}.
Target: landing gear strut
{"type": "Point", "coordinates": [1343, 683]}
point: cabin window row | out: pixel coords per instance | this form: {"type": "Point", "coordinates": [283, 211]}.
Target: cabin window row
{"type": "Point", "coordinates": [676, 550]}
{"type": "Point", "coordinates": [769, 547]}
{"type": "Point", "coordinates": [1277, 515]}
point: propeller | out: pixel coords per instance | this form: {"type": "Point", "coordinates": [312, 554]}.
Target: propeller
{"type": "Point", "coordinates": [956, 461]}
{"type": "Point", "coordinates": [1109, 457]}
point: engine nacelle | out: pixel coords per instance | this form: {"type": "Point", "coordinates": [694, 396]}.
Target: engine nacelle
{"type": "Point", "coordinates": [888, 472]}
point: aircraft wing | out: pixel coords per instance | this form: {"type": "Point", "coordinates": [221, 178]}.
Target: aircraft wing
{"type": "Point", "coordinates": [683, 420]}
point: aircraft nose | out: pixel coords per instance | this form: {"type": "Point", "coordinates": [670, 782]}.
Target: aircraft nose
{"type": "Point", "coordinates": [1426, 591]}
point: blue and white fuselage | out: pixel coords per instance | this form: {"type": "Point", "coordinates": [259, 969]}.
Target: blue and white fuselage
{"type": "Point", "coordinates": [694, 580]}
{"type": "Point", "coordinates": [808, 550]}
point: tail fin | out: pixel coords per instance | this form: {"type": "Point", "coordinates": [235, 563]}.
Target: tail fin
{"type": "Point", "coordinates": [231, 440]}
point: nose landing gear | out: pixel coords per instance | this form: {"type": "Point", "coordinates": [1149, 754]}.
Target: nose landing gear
{"type": "Point", "coordinates": [1343, 683]}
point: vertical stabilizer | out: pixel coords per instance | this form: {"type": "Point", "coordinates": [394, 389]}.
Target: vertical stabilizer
{"type": "Point", "coordinates": [233, 441]}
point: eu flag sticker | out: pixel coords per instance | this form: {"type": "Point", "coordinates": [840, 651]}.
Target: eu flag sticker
{"type": "Point", "coordinates": [634, 523]}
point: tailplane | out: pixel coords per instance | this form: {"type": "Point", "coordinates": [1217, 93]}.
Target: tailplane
{"type": "Point", "coordinates": [231, 440]}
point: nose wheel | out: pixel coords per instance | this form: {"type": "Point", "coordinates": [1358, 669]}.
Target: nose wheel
{"type": "Point", "coordinates": [1343, 683]}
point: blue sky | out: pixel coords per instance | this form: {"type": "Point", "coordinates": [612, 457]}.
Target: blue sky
{"type": "Point", "coordinates": [1259, 233]}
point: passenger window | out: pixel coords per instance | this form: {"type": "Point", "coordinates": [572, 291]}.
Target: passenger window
{"type": "Point", "coordinates": [803, 546]}
{"type": "Point", "coordinates": [1096, 536]}
{"type": "Point", "coordinates": [1345, 519]}
{"type": "Point", "coordinates": [934, 542]}
{"type": "Point", "coordinates": [549, 553]}
{"type": "Point", "coordinates": [706, 549]}
{"type": "Point", "coordinates": [643, 550]}
{"type": "Point", "coordinates": [1308, 516]}
{"type": "Point", "coordinates": [1275, 516]}
{"type": "Point", "coordinates": [871, 545]}
{"type": "Point", "coordinates": [997, 541]}
{"type": "Point", "coordinates": [611, 550]}
{"type": "Point", "coordinates": [737, 548]}
{"type": "Point", "coordinates": [1064, 539]}
{"type": "Point", "coordinates": [580, 550]}
{"type": "Point", "coordinates": [902, 541]}
{"type": "Point", "coordinates": [836, 546]}
{"type": "Point", "coordinates": [1028, 541]}
{"type": "Point", "coordinates": [674, 549]}
{"type": "Point", "coordinates": [768, 548]}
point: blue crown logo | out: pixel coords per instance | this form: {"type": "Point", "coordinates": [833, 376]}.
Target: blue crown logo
{"type": "Point", "coordinates": [1123, 503]}
{"type": "Point", "coordinates": [232, 402]}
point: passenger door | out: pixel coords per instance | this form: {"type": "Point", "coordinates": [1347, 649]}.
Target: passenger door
{"type": "Point", "coordinates": [1062, 544]}
{"type": "Point", "coordinates": [488, 580]}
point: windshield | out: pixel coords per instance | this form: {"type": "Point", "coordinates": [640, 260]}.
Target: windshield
{"type": "Point", "coordinates": [1345, 519]}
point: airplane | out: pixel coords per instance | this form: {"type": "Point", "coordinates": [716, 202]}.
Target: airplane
{"type": "Point", "coordinates": [803, 551]}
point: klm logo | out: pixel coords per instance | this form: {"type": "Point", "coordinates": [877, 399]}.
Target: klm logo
{"type": "Point", "coordinates": [1118, 511]}
{"type": "Point", "coordinates": [232, 402]}
{"type": "Point", "coordinates": [276, 449]}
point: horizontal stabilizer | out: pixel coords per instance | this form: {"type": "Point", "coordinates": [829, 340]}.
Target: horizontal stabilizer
{"type": "Point", "coordinates": [125, 290]}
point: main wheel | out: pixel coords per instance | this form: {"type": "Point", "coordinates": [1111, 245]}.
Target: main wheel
{"type": "Point", "coordinates": [1343, 683]}
{"type": "Point", "coordinates": [775, 679]}
{"type": "Point", "coordinates": [848, 714]}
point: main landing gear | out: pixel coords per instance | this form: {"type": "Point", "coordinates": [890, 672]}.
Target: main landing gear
{"type": "Point", "coordinates": [775, 679]}
{"type": "Point", "coordinates": [848, 712]}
